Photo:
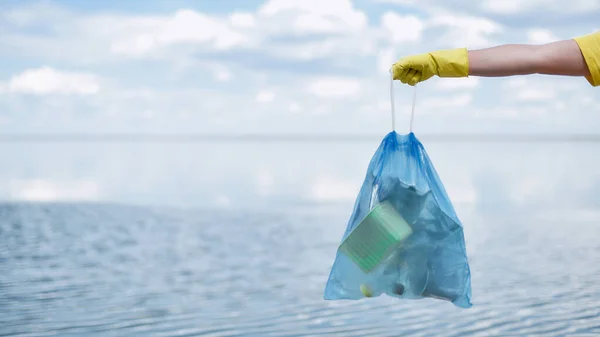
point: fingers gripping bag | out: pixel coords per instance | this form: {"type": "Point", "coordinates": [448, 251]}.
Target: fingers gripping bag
{"type": "Point", "coordinates": [403, 238]}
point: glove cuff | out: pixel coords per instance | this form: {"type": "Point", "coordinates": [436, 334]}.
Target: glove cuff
{"type": "Point", "coordinates": [590, 48]}
{"type": "Point", "coordinates": [451, 62]}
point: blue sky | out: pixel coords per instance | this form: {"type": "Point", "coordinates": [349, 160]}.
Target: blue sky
{"type": "Point", "coordinates": [282, 66]}
{"type": "Point", "coordinates": [276, 66]}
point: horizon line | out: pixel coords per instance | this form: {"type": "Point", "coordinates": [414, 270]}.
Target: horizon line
{"type": "Point", "coordinates": [290, 137]}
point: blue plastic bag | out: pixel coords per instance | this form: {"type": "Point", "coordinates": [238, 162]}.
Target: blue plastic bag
{"type": "Point", "coordinates": [432, 260]}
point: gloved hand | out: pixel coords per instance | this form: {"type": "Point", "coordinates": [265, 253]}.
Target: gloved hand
{"type": "Point", "coordinates": [443, 63]}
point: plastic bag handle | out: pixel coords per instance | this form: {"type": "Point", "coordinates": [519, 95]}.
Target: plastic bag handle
{"type": "Point", "coordinates": [414, 102]}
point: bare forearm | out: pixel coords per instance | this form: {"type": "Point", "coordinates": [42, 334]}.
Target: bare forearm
{"type": "Point", "coordinates": [556, 58]}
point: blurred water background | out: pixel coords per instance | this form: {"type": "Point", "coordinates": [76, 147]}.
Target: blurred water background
{"type": "Point", "coordinates": [236, 239]}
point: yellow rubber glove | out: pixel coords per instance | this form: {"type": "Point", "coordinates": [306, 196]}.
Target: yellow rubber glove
{"type": "Point", "coordinates": [443, 63]}
{"type": "Point", "coordinates": [590, 48]}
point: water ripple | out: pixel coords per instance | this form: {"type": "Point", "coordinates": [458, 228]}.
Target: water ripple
{"type": "Point", "coordinates": [102, 270]}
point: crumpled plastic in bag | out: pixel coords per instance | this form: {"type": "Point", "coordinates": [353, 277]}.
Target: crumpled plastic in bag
{"type": "Point", "coordinates": [431, 262]}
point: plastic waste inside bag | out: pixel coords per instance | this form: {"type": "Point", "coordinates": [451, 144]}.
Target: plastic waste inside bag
{"type": "Point", "coordinates": [403, 238]}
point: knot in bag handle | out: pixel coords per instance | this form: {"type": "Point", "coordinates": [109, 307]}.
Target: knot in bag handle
{"type": "Point", "coordinates": [414, 101]}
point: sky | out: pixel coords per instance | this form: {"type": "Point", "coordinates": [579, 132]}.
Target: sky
{"type": "Point", "coordinates": [281, 67]}
{"type": "Point", "coordinates": [277, 66]}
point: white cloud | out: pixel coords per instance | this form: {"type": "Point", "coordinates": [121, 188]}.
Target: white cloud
{"type": "Point", "coordinates": [191, 26]}
{"type": "Point", "coordinates": [504, 6]}
{"type": "Point", "coordinates": [517, 6]}
{"type": "Point", "coordinates": [46, 80]}
{"type": "Point", "coordinates": [334, 87]}
{"type": "Point", "coordinates": [383, 105]}
{"type": "Point", "coordinates": [295, 107]}
{"type": "Point", "coordinates": [385, 59]}
{"type": "Point", "coordinates": [516, 82]}
{"type": "Point", "coordinates": [541, 36]}
{"type": "Point", "coordinates": [527, 90]}
{"type": "Point", "coordinates": [223, 75]}
{"type": "Point", "coordinates": [296, 73]}
{"type": "Point", "coordinates": [464, 31]}
{"type": "Point", "coordinates": [52, 190]}
{"type": "Point", "coordinates": [186, 33]}
{"type": "Point", "coordinates": [147, 114]}
{"type": "Point", "coordinates": [501, 6]}
{"type": "Point", "coordinates": [265, 96]}
{"type": "Point", "coordinates": [534, 95]}
{"type": "Point", "coordinates": [402, 28]}
{"type": "Point", "coordinates": [242, 20]}
{"type": "Point", "coordinates": [33, 13]}
{"type": "Point", "coordinates": [342, 49]}
{"type": "Point", "coordinates": [448, 101]}
{"type": "Point", "coordinates": [153, 90]}
{"type": "Point", "coordinates": [314, 16]}
{"type": "Point", "coordinates": [448, 84]}
{"type": "Point", "coordinates": [137, 36]}
{"type": "Point", "coordinates": [400, 2]}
